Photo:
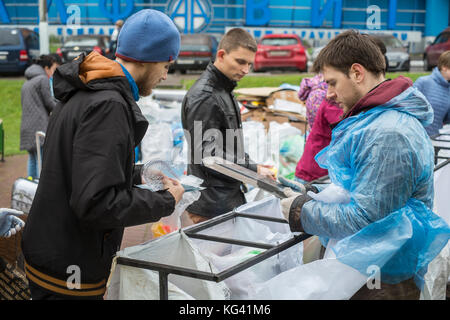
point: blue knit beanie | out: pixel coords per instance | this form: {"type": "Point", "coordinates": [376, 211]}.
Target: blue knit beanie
{"type": "Point", "coordinates": [148, 36]}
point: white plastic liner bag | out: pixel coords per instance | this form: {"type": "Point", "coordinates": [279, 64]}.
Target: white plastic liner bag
{"type": "Point", "coordinates": [224, 256]}
{"type": "Point", "coordinates": [324, 279]}
{"type": "Point", "coordinates": [177, 249]}
{"type": "Point", "coordinates": [438, 274]}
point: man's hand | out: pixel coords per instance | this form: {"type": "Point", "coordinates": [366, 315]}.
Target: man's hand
{"type": "Point", "coordinates": [10, 224]}
{"type": "Point", "coordinates": [174, 187]}
{"type": "Point", "coordinates": [266, 171]}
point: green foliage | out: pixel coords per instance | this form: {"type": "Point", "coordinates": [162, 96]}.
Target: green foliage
{"type": "Point", "coordinates": [11, 112]}
{"type": "Point", "coordinates": [256, 80]}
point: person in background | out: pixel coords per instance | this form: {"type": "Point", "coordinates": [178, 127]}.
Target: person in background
{"type": "Point", "coordinates": [312, 92]}
{"type": "Point", "coordinates": [211, 103]}
{"type": "Point", "coordinates": [114, 36]}
{"type": "Point", "coordinates": [88, 190]}
{"type": "Point", "coordinates": [436, 88]}
{"type": "Point", "coordinates": [59, 61]}
{"type": "Point", "coordinates": [319, 137]}
{"type": "Point", "coordinates": [382, 47]}
{"type": "Point", "coordinates": [37, 103]}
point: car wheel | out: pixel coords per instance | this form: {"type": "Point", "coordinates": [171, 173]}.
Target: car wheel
{"type": "Point", "coordinates": [426, 65]}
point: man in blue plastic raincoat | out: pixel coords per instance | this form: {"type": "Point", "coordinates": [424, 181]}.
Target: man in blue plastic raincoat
{"type": "Point", "coordinates": [380, 156]}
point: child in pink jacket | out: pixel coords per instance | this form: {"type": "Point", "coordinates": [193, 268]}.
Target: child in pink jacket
{"type": "Point", "coordinates": [321, 113]}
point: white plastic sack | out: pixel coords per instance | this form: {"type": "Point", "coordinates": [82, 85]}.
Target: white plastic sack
{"type": "Point", "coordinates": [331, 194]}
{"type": "Point", "coordinates": [325, 279]}
{"type": "Point", "coordinates": [175, 249]}
{"type": "Point", "coordinates": [157, 142]}
{"type": "Point", "coordinates": [255, 141]}
{"type": "Point", "coordinates": [438, 274]}
{"type": "Point", "coordinates": [224, 256]}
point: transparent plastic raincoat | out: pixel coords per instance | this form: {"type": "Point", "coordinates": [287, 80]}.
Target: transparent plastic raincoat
{"type": "Point", "coordinates": [383, 158]}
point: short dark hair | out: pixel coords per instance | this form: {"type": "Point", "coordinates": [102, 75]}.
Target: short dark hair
{"type": "Point", "coordinates": [57, 58]}
{"type": "Point", "coordinates": [348, 48]}
{"type": "Point", "coordinates": [444, 60]}
{"type": "Point", "coordinates": [236, 38]}
{"type": "Point", "coordinates": [46, 60]}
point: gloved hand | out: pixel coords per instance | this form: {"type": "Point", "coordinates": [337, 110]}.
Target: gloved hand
{"type": "Point", "coordinates": [294, 185]}
{"type": "Point", "coordinates": [287, 202]}
{"type": "Point", "coordinates": [10, 224]}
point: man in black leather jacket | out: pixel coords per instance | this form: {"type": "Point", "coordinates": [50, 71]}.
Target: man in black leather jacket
{"type": "Point", "coordinates": [212, 122]}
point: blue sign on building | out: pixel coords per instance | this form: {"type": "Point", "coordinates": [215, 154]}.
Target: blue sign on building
{"type": "Point", "coordinates": [426, 17]}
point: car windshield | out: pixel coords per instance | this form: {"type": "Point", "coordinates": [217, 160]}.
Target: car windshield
{"type": "Point", "coordinates": [9, 37]}
{"type": "Point", "coordinates": [279, 41]}
{"type": "Point", "coordinates": [82, 42]}
{"type": "Point", "coordinates": [392, 42]}
{"type": "Point", "coordinates": [193, 47]}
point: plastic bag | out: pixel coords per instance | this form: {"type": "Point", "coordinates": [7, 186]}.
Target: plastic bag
{"type": "Point", "coordinates": [224, 256]}
{"type": "Point", "coordinates": [286, 144]}
{"type": "Point", "coordinates": [331, 194]}
{"type": "Point", "coordinates": [255, 141]}
{"type": "Point", "coordinates": [175, 249]}
{"type": "Point", "coordinates": [152, 173]}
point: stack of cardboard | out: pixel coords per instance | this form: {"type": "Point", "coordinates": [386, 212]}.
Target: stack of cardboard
{"type": "Point", "coordinates": [268, 104]}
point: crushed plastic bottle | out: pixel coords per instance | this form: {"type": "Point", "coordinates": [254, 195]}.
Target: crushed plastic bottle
{"type": "Point", "coordinates": [159, 229]}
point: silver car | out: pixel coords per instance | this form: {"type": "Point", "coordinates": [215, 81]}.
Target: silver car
{"type": "Point", "coordinates": [396, 53]}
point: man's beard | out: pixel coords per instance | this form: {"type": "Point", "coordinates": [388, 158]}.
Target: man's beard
{"type": "Point", "coordinates": [143, 85]}
{"type": "Point", "coordinates": [143, 89]}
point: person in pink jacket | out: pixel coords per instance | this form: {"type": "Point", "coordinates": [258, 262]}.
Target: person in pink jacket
{"type": "Point", "coordinates": [320, 114]}
{"type": "Point", "coordinates": [318, 138]}
{"type": "Point", "coordinates": [312, 91]}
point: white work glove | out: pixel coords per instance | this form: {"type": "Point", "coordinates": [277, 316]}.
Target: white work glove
{"type": "Point", "coordinates": [10, 224]}
{"type": "Point", "coordinates": [294, 185]}
{"type": "Point", "coordinates": [287, 202]}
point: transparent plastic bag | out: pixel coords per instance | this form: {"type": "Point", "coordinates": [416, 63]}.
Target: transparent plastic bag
{"type": "Point", "coordinates": [152, 174]}
{"type": "Point", "coordinates": [331, 194]}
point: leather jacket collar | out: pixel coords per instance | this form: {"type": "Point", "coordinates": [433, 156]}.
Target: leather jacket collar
{"type": "Point", "coordinates": [218, 77]}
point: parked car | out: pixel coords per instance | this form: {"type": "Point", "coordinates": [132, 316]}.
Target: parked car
{"type": "Point", "coordinates": [196, 51]}
{"type": "Point", "coordinates": [73, 46]}
{"type": "Point", "coordinates": [280, 51]}
{"type": "Point", "coordinates": [434, 50]}
{"type": "Point", "coordinates": [396, 53]}
{"type": "Point", "coordinates": [18, 48]}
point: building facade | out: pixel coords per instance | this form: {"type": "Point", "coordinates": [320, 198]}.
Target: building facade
{"type": "Point", "coordinates": [408, 20]}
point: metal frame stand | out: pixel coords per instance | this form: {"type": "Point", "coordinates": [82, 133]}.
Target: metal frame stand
{"type": "Point", "coordinates": [444, 137]}
{"type": "Point", "coordinates": [165, 270]}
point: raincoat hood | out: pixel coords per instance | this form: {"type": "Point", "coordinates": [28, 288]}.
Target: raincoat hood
{"type": "Point", "coordinates": [33, 71]}
{"type": "Point", "coordinates": [399, 94]}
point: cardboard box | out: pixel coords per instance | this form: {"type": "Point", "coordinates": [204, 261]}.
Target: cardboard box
{"type": "Point", "coordinates": [266, 115]}
{"type": "Point", "coordinates": [283, 94]}
{"type": "Point", "coordinates": [286, 100]}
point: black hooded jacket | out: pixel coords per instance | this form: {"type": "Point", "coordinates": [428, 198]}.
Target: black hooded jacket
{"type": "Point", "coordinates": [86, 193]}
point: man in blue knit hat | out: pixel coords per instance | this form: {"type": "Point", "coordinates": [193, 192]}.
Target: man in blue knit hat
{"type": "Point", "coordinates": [87, 191]}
